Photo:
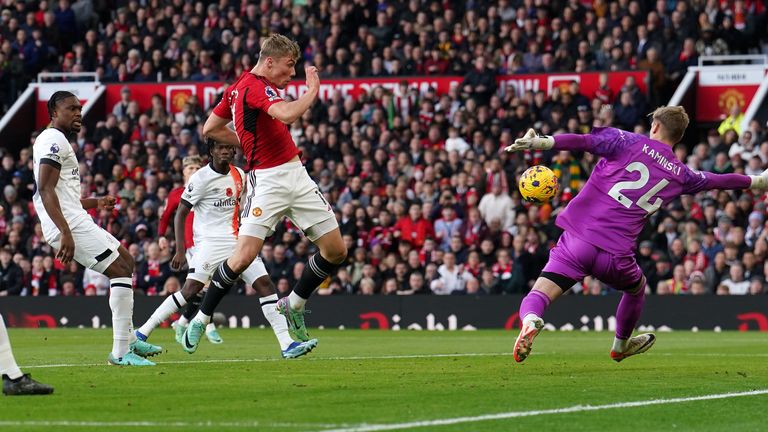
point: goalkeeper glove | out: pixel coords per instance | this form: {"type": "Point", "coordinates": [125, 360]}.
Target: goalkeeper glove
{"type": "Point", "coordinates": [532, 141]}
{"type": "Point", "coordinates": [759, 181]}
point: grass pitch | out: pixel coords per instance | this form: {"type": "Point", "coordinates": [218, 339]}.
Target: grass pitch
{"type": "Point", "coordinates": [378, 380]}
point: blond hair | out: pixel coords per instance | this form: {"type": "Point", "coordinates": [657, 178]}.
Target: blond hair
{"type": "Point", "coordinates": [192, 160]}
{"type": "Point", "coordinates": [279, 46]}
{"type": "Point", "coordinates": [674, 119]}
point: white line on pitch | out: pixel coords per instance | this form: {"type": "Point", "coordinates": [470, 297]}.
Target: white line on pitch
{"type": "Point", "coordinates": [515, 414]}
{"type": "Point", "coordinates": [261, 360]}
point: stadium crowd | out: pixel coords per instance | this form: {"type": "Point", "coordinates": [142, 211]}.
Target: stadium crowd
{"type": "Point", "coordinates": [425, 198]}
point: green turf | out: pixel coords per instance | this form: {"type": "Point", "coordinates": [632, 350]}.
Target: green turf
{"type": "Point", "coordinates": [349, 381]}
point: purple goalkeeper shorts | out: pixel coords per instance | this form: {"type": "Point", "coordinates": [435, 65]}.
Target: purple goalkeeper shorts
{"type": "Point", "coordinates": [575, 258]}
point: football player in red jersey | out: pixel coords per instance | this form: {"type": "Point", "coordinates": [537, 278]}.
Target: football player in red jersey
{"type": "Point", "coordinates": [278, 184]}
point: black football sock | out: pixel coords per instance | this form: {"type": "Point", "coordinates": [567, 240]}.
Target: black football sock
{"type": "Point", "coordinates": [315, 272]}
{"type": "Point", "coordinates": [193, 306]}
{"type": "Point", "coordinates": [221, 282]}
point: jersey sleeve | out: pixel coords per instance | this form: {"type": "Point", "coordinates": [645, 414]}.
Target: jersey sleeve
{"type": "Point", "coordinates": [697, 181]}
{"type": "Point", "coordinates": [194, 191]}
{"type": "Point", "coordinates": [224, 108]}
{"type": "Point", "coordinates": [263, 96]}
{"type": "Point", "coordinates": [52, 151]}
{"type": "Point", "coordinates": [609, 142]}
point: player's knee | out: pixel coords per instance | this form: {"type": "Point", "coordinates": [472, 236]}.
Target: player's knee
{"type": "Point", "coordinates": [264, 287]}
{"type": "Point", "coordinates": [239, 262]}
{"type": "Point", "coordinates": [191, 288]}
{"type": "Point", "coordinates": [129, 262]}
{"type": "Point", "coordinates": [336, 255]}
{"type": "Point", "coordinates": [125, 265]}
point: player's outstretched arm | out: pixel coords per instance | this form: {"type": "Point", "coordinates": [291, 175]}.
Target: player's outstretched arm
{"type": "Point", "coordinates": [289, 112]}
{"type": "Point", "coordinates": [179, 223]}
{"type": "Point", "coordinates": [533, 141]}
{"type": "Point", "coordinates": [704, 180]}
{"type": "Point", "coordinates": [217, 128]}
{"type": "Point", "coordinates": [49, 178]}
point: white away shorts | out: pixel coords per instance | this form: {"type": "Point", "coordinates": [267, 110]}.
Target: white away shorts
{"type": "Point", "coordinates": [285, 191]}
{"type": "Point", "coordinates": [209, 255]}
{"type": "Point", "coordinates": [95, 248]}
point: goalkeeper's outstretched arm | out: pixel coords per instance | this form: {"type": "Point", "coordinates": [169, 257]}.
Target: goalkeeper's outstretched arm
{"type": "Point", "coordinates": [735, 181]}
{"type": "Point", "coordinates": [533, 141]}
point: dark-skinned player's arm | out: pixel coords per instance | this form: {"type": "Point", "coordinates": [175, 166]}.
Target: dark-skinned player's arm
{"type": "Point", "coordinates": [179, 223]}
{"type": "Point", "coordinates": [107, 202]}
{"type": "Point", "coordinates": [49, 178]}
{"type": "Point", "coordinates": [289, 112]}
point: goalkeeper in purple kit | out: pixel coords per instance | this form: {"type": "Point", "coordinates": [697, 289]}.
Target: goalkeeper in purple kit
{"type": "Point", "coordinates": [636, 176]}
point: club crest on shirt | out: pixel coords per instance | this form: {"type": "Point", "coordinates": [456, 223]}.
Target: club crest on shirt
{"type": "Point", "coordinates": [206, 266]}
{"type": "Point", "coordinates": [256, 212]}
{"type": "Point", "coordinates": [271, 93]}
{"type": "Point", "coordinates": [229, 192]}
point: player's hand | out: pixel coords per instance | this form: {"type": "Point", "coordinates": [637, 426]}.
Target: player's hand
{"type": "Point", "coordinates": [759, 182]}
{"type": "Point", "coordinates": [531, 140]}
{"type": "Point", "coordinates": [178, 261]}
{"type": "Point", "coordinates": [106, 202]}
{"type": "Point", "coordinates": [313, 80]}
{"type": "Point", "coordinates": [162, 242]}
{"type": "Point", "coordinates": [66, 249]}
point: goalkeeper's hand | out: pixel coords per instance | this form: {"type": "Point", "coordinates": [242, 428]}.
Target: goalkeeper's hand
{"type": "Point", "coordinates": [532, 141]}
{"type": "Point", "coordinates": [759, 181]}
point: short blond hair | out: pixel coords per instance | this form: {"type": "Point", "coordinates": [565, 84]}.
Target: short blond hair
{"type": "Point", "coordinates": [192, 160]}
{"type": "Point", "coordinates": [674, 119]}
{"type": "Point", "coordinates": [279, 46]}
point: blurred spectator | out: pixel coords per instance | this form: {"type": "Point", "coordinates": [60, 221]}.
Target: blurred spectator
{"type": "Point", "coordinates": [735, 283]}
{"type": "Point", "coordinates": [10, 274]}
{"type": "Point", "coordinates": [733, 121]}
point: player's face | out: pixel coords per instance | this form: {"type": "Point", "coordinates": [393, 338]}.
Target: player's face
{"type": "Point", "coordinates": [283, 70]}
{"type": "Point", "coordinates": [223, 153]}
{"type": "Point", "coordinates": [189, 170]}
{"type": "Point", "coordinates": [68, 115]}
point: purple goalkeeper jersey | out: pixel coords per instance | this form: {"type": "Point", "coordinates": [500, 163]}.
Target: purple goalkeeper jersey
{"type": "Point", "coordinates": [636, 177]}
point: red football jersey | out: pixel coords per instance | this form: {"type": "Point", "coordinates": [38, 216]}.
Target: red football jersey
{"type": "Point", "coordinates": [266, 141]}
{"type": "Point", "coordinates": [172, 203]}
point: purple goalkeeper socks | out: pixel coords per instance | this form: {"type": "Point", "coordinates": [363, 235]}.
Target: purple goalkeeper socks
{"type": "Point", "coordinates": [536, 302]}
{"type": "Point", "coordinates": [628, 313]}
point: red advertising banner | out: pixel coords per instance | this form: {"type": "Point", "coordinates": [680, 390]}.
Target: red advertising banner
{"type": "Point", "coordinates": [589, 82]}
{"type": "Point", "coordinates": [176, 94]}
{"type": "Point", "coordinates": [720, 88]}
{"type": "Point", "coordinates": [714, 102]}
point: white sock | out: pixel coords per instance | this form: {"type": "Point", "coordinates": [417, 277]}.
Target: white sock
{"type": "Point", "coordinates": [530, 317]}
{"type": "Point", "coordinates": [210, 327]}
{"type": "Point", "coordinates": [620, 345]}
{"type": "Point", "coordinates": [297, 302]}
{"type": "Point", "coordinates": [171, 304]}
{"type": "Point", "coordinates": [8, 364]}
{"type": "Point", "coordinates": [121, 303]}
{"type": "Point", "coordinates": [277, 321]}
{"type": "Point", "coordinates": [182, 321]}
{"type": "Point", "coordinates": [203, 318]}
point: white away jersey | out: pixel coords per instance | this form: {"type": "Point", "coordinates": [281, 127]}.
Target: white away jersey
{"type": "Point", "coordinates": [215, 199]}
{"type": "Point", "coordinates": [53, 148]}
